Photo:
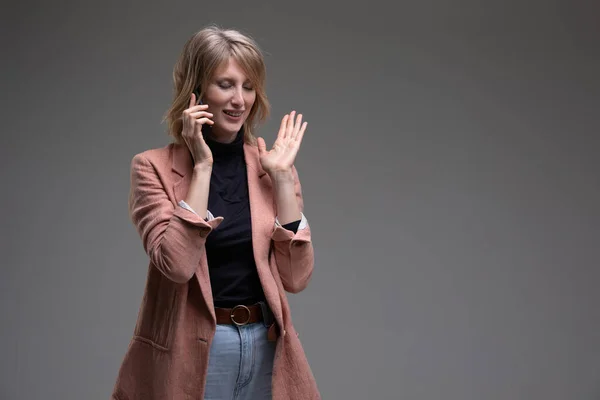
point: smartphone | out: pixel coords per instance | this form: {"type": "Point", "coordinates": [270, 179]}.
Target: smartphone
{"type": "Point", "coordinates": [197, 93]}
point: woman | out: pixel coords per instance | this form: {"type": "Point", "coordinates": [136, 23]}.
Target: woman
{"type": "Point", "coordinates": [220, 218]}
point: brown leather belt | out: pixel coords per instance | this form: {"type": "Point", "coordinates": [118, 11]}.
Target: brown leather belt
{"type": "Point", "coordinates": [239, 315]}
{"type": "Point", "coordinates": [242, 315]}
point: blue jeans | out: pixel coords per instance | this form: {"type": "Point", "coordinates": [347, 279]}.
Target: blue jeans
{"type": "Point", "coordinates": [240, 364]}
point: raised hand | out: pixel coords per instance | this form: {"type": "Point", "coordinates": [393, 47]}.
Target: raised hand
{"type": "Point", "coordinates": [281, 157]}
{"type": "Point", "coordinates": [193, 118]}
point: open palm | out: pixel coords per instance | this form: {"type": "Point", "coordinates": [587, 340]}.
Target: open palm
{"type": "Point", "coordinates": [281, 157]}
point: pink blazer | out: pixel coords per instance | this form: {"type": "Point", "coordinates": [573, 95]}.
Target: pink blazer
{"type": "Point", "coordinates": [167, 356]}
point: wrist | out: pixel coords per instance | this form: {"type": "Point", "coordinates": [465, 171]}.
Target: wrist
{"type": "Point", "coordinates": [282, 176]}
{"type": "Point", "coordinates": [203, 167]}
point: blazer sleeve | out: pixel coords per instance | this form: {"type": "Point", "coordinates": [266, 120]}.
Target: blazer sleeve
{"type": "Point", "coordinates": [294, 252]}
{"type": "Point", "coordinates": [172, 236]}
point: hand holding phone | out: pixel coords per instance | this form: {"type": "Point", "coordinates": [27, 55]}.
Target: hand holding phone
{"type": "Point", "coordinates": [194, 117]}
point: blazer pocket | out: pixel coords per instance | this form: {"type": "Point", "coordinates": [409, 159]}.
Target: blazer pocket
{"type": "Point", "coordinates": [150, 343]}
{"type": "Point", "coordinates": [158, 317]}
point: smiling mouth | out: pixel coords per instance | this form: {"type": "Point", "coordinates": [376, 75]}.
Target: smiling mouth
{"type": "Point", "coordinates": [233, 114]}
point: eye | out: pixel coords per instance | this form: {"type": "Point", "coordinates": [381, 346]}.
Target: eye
{"type": "Point", "coordinates": [249, 88]}
{"type": "Point", "coordinates": [224, 84]}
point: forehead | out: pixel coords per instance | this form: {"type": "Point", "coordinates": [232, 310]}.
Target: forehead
{"type": "Point", "coordinates": [231, 69]}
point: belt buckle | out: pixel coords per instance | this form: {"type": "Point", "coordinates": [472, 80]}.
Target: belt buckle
{"type": "Point", "coordinates": [233, 315]}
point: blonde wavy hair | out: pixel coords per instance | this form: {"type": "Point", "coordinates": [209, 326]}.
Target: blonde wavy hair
{"type": "Point", "coordinates": [202, 55]}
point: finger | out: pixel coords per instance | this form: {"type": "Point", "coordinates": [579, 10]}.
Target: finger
{"type": "Point", "coordinates": [187, 114]}
{"type": "Point", "coordinates": [192, 100]}
{"type": "Point", "coordinates": [282, 127]}
{"type": "Point", "coordinates": [290, 123]}
{"type": "Point", "coordinates": [301, 133]}
{"type": "Point", "coordinates": [202, 121]}
{"type": "Point", "coordinates": [297, 126]}
{"type": "Point", "coordinates": [199, 107]}
{"type": "Point", "coordinates": [198, 114]}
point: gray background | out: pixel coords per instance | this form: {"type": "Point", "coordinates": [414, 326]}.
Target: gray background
{"type": "Point", "coordinates": [450, 173]}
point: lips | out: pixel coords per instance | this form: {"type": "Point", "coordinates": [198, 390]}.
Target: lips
{"type": "Point", "coordinates": [234, 114]}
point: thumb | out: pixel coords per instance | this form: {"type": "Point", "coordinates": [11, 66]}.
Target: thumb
{"type": "Point", "coordinates": [262, 146]}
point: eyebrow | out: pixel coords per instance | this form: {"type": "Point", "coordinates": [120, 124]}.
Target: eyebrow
{"type": "Point", "coordinates": [229, 78]}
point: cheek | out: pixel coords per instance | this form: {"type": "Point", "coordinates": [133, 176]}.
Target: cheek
{"type": "Point", "coordinates": [214, 98]}
{"type": "Point", "coordinates": [250, 99]}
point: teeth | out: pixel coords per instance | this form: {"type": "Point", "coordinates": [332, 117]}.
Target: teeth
{"type": "Point", "coordinates": [232, 114]}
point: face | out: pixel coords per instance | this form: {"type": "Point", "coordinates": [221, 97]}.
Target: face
{"type": "Point", "coordinates": [230, 97]}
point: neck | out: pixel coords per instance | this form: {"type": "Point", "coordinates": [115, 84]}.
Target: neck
{"type": "Point", "coordinates": [225, 146]}
{"type": "Point", "coordinates": [222, 137]}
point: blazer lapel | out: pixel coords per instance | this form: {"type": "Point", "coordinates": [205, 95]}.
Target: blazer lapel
{"type": "Point", "coordinates": [182, 166]}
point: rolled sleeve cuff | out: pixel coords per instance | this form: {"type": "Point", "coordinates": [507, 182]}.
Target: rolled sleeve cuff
{"type": "Point", "coordinates": [185, 205]}
{"type": "Point", "coordinates": [303, 222]}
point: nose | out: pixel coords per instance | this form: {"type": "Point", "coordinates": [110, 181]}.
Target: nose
{"type": "Point", "coordinates": [237, 100]}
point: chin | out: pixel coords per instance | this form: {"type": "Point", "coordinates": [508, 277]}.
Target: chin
{"type": "Point", "coordinates": [227, 130]}
{"type": "Point", "coordinates": [232, 128]}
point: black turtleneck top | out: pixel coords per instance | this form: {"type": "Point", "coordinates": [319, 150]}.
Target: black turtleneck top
{"type": "Point", "coordinates": [233, 275]}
